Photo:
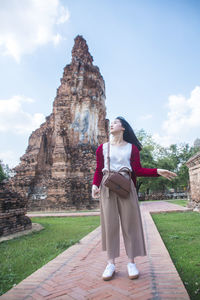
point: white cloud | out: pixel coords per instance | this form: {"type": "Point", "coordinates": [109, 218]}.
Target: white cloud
{"type": "Point", "coordinates": [182, 118]}
{"type": "Point", "coordinates": [27, 24]}
{"type": "Point", "coordinates": [14, 119]}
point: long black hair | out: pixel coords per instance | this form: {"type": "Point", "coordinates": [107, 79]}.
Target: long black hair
{"type": "Point", "coordinates": [129, 135]}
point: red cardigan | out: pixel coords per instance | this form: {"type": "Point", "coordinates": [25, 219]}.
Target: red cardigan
{"type": "Point", "coordinates": [134, 161]}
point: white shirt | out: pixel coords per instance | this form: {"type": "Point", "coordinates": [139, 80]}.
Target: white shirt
{"type": "Point", "coordinates": [119, 156]}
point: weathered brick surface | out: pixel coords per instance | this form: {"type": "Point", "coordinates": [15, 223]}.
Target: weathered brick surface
{"type": "Point", "coordinates": [194, 173]}
{"type": "Point", "coordinates": [57, 169]}
{"type": "Point", "coordinates": [12, 211]}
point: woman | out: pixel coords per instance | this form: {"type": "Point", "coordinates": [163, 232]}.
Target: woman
{"type": "Point", "coordinates": [124, 152]}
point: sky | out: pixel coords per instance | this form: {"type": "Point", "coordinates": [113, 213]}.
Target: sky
{"type": "Point", "coordinates": [148, 52]}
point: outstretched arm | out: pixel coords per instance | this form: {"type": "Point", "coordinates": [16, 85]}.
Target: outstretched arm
{"type": "Point", "coordinates": [137, 167]}
{"type": "Point", "coordinates": [147, 172]}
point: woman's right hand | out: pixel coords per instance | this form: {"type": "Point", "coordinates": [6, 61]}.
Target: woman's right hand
{"type": "Point", "coordinates": [95, 191]}
{"type": "Point", "coordinates": [166, 173]}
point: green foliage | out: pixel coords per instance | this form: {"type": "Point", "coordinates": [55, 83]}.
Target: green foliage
{"type": "Point", "coordinates": [2, 174]}
{"type": "Point", "coordinates": [172, 158]}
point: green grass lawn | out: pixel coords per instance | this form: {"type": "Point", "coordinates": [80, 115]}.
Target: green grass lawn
{"type": "Point", "coordinates": [182, 202]}
{"type": "Point", "coordinates": [180, 232]}
{"type": "Point", "coordinates": [24, 255]}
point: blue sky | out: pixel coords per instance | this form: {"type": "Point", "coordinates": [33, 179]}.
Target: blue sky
{"type": "Point", "coordinates": [148, 53]}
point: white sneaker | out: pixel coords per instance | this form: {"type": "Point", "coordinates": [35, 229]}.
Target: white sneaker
{"type": "Point", "coordinates": [108, 272]}
{"type": "Point", "coordinates": [132, 270]}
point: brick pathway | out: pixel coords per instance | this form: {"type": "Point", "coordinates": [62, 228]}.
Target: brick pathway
{"type": "Point", "coordinates": [76, 273]}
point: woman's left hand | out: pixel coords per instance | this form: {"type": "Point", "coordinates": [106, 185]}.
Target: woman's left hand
{"type": "Point", "coordinates": [166, 173]}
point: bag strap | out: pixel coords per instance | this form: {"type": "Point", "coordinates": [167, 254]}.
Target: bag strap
{"type": "Point", "coordinates": [108, 157]}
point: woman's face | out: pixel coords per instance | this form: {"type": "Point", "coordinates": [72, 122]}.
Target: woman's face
{"type": "Point", "coordinates": [116, 126]}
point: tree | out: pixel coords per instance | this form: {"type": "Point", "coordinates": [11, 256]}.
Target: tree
{"type": "Point", "coordinates": [144, 184]}
{"type": "Point", "coordinates": [172, 158]}
{"type": "Point", "coordinates": [2, 174]}
{"type": "Point", "coordinates": [178, 156]}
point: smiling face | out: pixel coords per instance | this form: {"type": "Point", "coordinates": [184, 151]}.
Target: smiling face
{"type": "Point", "coordinates": [116, 126]}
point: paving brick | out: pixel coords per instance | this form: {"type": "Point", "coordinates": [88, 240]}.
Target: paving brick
{"type": "Point", "coordinates": [37, 296]}
{"type": "Point", "coordinates": [65, 297]}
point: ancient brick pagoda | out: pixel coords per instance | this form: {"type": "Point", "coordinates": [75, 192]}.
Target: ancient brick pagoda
{"type": "Point", "coordinates": [57, 169]}
{"type": "Point", "coordinates": [194, 181]}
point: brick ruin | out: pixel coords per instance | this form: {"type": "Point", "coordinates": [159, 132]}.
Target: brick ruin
{"type": "Point", "coordinates": [57, 168]}
{"type": "Point", "coordinates": [12, 211]}
{"type": "Point", "coordinates": [194, 181]}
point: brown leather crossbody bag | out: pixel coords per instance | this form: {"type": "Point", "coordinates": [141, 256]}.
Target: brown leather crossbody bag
{"type": "Point", "coordinates": [117, 182]}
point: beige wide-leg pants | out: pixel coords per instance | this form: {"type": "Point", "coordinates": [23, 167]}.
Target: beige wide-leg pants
{"type": "Point", "coordinates": [112, 207]}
